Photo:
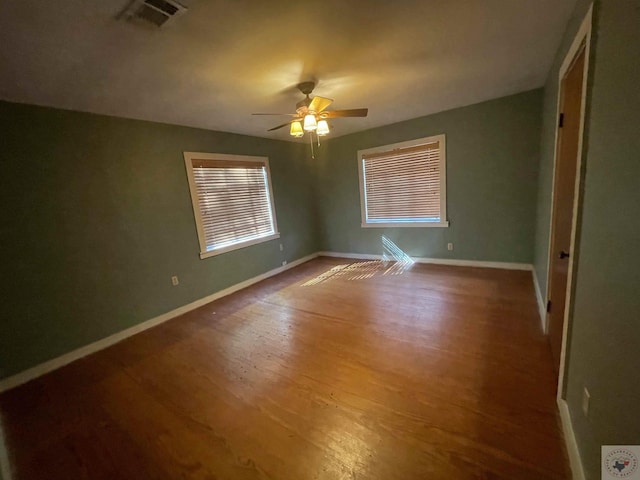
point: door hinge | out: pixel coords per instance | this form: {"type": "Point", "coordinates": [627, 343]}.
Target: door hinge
{"type": "Point", "coordinates": [549, 306]}
{"type": "Point", "coordinates": [561, 121]}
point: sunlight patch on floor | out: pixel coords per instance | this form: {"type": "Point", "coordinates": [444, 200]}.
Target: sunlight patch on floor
{"type": "Point", "coordinates": [394, 262]}
{"type": "Point", "coordinates": [391, 251]}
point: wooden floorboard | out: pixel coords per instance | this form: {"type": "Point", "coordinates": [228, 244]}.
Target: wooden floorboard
{"type": "Point", "coordinates": [333, 370]}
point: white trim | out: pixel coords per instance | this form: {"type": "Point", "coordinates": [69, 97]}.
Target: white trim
{"type": "Point", "coordinates": [436, 261]}
{"type": "Point", "coordinates": [577, 471]}
{"type": "Point", "coordinates": [237, 246]}
{"type": "Point", "coordinates": [204, 253]}
{"type": "Point", "coordinates": [55, 363]}
{"type": "Point", "coordinates": [355, 256]}
{"type": "Point", "coordinates": [405, 225]}
{"type": "Point", "coordinates": [582, 36]}
{"type": "Point", "coordinates": [542, 308]}
{"type": "Point", "coordinates": [442, 139]}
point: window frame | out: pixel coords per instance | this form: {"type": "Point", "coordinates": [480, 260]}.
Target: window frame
{"type": "Point", "coordinates": [443, 183]}
{"type": "Point", "coordinates": [204, 253]}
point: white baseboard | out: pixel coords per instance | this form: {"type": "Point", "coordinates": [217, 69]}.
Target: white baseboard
{"type": "Point", "coordinates": [55, 363]}
{"type": "Point", "coordinates": [437, 261]}
{"type": "Point", "coordinates": [577, 471]}
{"type": "Point", "coordinates": [542, 308]}
{"type": "Point", "coordinates": [355, 256]}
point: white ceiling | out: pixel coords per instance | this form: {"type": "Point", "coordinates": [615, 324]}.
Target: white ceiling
{"type": "Point", "coordinates": [225, 59]}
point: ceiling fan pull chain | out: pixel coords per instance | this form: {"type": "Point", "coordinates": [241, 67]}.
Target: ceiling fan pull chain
{"type": "Point", "coordinates": [311, 142]}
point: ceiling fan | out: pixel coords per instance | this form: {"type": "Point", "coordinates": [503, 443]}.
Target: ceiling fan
{"type": "Point", "coordinates": [312, 114]}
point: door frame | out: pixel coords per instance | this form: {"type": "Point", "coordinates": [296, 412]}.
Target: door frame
{"type": "Point", "coordinates": [582, 37]}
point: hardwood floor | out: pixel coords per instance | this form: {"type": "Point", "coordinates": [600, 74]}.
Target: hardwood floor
{"type": "Point", "coordinates": [327, 371]}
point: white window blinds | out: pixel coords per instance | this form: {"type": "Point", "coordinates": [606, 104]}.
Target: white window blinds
{"type": "Point", "coordinates": [232, 201]}
{"type": "Point", "coordinates": [404, 184]}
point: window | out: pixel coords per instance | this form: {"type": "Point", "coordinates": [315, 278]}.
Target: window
{"type": "Point", "coordinates": [232, 201]}
{"type": "Point", "coordinates": [403, 184]}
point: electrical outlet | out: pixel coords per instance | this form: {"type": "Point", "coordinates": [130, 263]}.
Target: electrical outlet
{"type": "Point", "coordinates": [281, 248]}
{"type": "Point", "coordinates": [450, 246]}
{"type": "Point", "coordinates": [284, 262]}
{"type": "Point", "coordinates": [174, 280]}
{"type": "Point", "coordinates": [586, 397]}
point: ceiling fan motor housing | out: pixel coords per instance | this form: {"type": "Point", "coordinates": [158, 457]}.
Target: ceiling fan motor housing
{"type": "Point", "coordinates": [303, 105]}
{"type": "Point", "coordinates": [306, 87]}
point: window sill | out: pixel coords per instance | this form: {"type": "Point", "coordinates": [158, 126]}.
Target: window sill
{"type": "Point", "coordinates": [406, 225]}
{"type": "Point", "coordinates": [237, 246]}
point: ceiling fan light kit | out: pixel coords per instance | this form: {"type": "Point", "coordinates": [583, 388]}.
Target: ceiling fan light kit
{"type": "Point", "coordinates": [296, 130]}
{"type": "Point", "coordinates": [310, 122]}
{"type": "Point", "coordinates": [323, 128]}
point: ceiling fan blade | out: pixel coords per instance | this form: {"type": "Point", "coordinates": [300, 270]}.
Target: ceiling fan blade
{"type": "Point", "coordinates": [354, 112]}
{"type": "Point", "coordinates": [288, 114]}
{"type": "Point", "coordinates": [318, 104]}
{"type": "Point", "coordinates": [284, 124]}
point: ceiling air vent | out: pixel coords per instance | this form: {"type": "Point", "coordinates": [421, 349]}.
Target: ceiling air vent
{"type": "Point", "coordinates": [156, 12]}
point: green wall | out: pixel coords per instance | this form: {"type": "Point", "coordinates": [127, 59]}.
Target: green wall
{"type": "Point", "coordinates": [96, 218]}
{"type": "Point", "coordinates": [492, 168]}
{"type": "Point", "coordinates": [605, 340]}
{"type": "Point", "coordinates": [603, 353]}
